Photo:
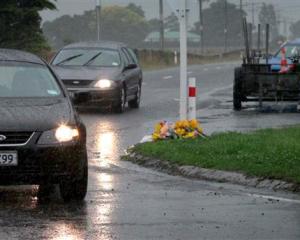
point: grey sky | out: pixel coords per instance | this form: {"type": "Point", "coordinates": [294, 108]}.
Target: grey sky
{"type": "Point", "coordinates": [287, 9]}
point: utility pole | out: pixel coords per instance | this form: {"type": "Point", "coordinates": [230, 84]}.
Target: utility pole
{"type": "Point", "coordinates": [162, 29]}
{"type": "Point", "coordinates": [98, 14]}
{"type": "Point", "coordinates": [183, 59]}
{"type": "Point", "coordinates": [201, 24]}
{"type": "Point", "coordinates": [225, 26]}
{"type": "Point", "coordinates": [253, 21]}
{"type": "Point", "coordinates": [242, 19]}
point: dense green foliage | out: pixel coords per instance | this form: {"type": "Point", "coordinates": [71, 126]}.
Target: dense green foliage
{"type": "Point", "coordinates": [214, 24]}
{"type": "Point", "coordinates": [125, 24]}
{"type": "Point", "coordinates": [271, 153]}
{"type": "Point", "coordinates": [20, 24]}
{"type": "Point", "coordinates": [267, 14]}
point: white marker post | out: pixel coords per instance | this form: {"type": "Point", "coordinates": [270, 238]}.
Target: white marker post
{"type": "Point", "coordinates": [192, 98]}
{"type": "Point", "coordinates": [183, 59]}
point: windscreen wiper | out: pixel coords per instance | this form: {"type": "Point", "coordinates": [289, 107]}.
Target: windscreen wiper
{"type": "Point", "coordinates": [92, 59]}
{"type": "Point", "coordinates": [69, 59]}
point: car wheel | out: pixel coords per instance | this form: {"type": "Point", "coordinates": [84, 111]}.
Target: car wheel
{"type": "Point", "coordinates": [120, 107]}
{"type": "Point", "coordinates": [75, 189]}
{"type": "Point", "coordinates": [237, 90]}
{"type": "Point", "coordinates": [136, 102]}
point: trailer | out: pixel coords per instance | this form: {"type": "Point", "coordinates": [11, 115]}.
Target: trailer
{"type": "Point", "coordinates": [254, 80]}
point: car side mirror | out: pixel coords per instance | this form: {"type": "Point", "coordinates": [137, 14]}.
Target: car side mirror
{"type": "Point", "coordinates": [130, 66]}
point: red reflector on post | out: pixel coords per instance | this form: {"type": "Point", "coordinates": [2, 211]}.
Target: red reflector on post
{"type": "Point", "coordinates": [192, 92]}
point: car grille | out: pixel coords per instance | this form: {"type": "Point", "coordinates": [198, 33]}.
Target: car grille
{"type": "Point", "coordinates": [77, 83]}
{"type": "Point", "coordinates": [14, 138]}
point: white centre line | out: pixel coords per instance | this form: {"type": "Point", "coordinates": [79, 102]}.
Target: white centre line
{"type": "Point", "coordinates": [218, 68]}
{"type": "Point", "coordinates": [167, 77]}
{"type": "Point", "coordinates": [189, 72]}
{"type": "Point", "coordinates": [176, 99]}
{"type": "Point", "coordinates": [205, 69]}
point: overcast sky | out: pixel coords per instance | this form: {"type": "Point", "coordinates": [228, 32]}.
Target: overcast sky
{"type": "Point", "coordinates": [287, 9]}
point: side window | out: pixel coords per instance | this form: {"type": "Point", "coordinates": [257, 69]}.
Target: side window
{"type": "Point", "coordinates": [125, 57]}
{"type": "Point", "coordinates": [133, 55]}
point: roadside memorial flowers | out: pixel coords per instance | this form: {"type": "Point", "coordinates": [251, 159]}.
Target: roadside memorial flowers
{"type": "Point", "coordinates": [179, 130]}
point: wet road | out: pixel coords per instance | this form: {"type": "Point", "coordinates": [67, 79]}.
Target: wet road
{"type": "Point", "coordinates": [125, 201]}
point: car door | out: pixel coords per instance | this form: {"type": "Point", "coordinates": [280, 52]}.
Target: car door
{"type": "Point", "coordinates": [129, 74]}
{"type": "Point", "coordinates": [138, 72]}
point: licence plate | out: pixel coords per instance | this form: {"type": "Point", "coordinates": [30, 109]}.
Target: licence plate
{"type": "Point", "coordinates": [8, 158]}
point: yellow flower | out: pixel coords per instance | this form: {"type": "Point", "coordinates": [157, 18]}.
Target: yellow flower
{"type": "Point", "coordinates": [156, 136]}
{"type": "Point", "coordinates": [185, 123]}
{"type": "Point", "coordinates": [194, 124]}
{"type": "Point", "coordinates": [180, 132]}
{"type": "Point", "coordinates": [157, 128]}
{"type": "Point", "coordinates": [200, 129]}
{"type": "Point", "coordinates": [189, 135]}
{"type": "Point", "coordinates": [178, 124]}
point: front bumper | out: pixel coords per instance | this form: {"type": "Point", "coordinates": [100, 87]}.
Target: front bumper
{"type": "Point", "coordinates": [94, 97]}
{"type": "Point", "coordinates": [38, 163]}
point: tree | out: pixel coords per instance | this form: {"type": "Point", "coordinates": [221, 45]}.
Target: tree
{"type": "Point", "coordinates": [295, 29]}
{"type": "Point", "coordinates": [137, 9]}
{"type": "Point", "coordinates": [153, 25]}
{"type": "Point", "coordinates": [214, 24]}
{"type": "Point", "coordinates": [20, 24]}
{"type": "Point", "coordinates": [267, 15]}
{"type": "Point", "coordinates": [172, 23]}
{"type": "Point", "coordinates": [117, 24]}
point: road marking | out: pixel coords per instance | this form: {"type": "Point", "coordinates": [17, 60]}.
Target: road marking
{"type": "Point", "coordinates": [274, 198]}
{"type": "Point", "coordinates": [167, 77]}
{"type": "Point", "coordinates": [144, 84]}
{"type": "Point", "coordinates": [218, 68]}
{"type": "Point", "coordinates": [189, 72]}
{"type": "Point", "coordinates": [176, 99]}
{"type": "Point", "coordinates": [205, 69]}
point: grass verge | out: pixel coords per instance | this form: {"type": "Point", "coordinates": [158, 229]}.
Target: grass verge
{"type": "Point", "coordinates": [270, 153]}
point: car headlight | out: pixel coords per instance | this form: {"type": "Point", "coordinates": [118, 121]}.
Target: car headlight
{"type": "Point", "coordinates": [104, 84]}
{"type": "Point", "coordinates": [62, 134]}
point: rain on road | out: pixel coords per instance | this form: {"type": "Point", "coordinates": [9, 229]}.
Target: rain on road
{"type": "Point", "coordinates": [125, 201]}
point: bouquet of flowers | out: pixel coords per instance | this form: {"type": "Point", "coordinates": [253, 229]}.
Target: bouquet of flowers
{"type": "Point", "coordinates": [179, 130]}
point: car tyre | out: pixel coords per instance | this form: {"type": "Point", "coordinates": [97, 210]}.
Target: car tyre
{"type": "Point", "coordinates": [75, 189]}
{"type": "Point", "coordinates": [120, 107]}
{"type": "Point", "coordinates": [135, 103]}
{"type": "Point", "coordinates": [237, 89]}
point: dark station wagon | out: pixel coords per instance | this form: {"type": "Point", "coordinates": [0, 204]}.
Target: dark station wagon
{"type": "Point", "coordinates": [100, 74]}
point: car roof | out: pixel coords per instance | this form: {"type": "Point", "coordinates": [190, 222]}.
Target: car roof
{"type": "Point", "coordinates": [17, 55]}
{"type": "Point", "coordinates": [294, 42]}
{"type": "Point", "coordinates": [96, 44]}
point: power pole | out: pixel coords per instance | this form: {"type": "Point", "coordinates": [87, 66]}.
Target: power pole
{"type": "Point", "coordinates": [98, 14]}
{"type": "Point", "coordinates": [201, 25]}
{"type": "Point", "coordinates": [225, 26]}
{"type": "Point", "coordinates": [253, 21]}
{"type": "Point", "coordinates": [183, 59]}
{"type": "Point", "coordinates": [162, 30]}
{"type": "Point", "coordinates": [242, 17]}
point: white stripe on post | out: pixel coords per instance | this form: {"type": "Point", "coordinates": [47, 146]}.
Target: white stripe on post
{"type": "Point", "coordinates": [192, 99]}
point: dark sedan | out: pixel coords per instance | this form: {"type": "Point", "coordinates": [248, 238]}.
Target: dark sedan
{"type": "Point", "coordinates": [42, 140]}
{"type": "Point", "coordinates": [100, 74]}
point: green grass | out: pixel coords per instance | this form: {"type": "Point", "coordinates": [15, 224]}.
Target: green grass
{"type": "Point", "coordinates": [270, 153]}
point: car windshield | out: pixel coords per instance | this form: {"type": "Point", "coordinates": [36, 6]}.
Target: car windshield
{"type": "Point", "coordinates": [26, 80]}
{"type": "Point", "coordinates": [289, 48]}
{"type": "Point", "coordinates": [91, 57]}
